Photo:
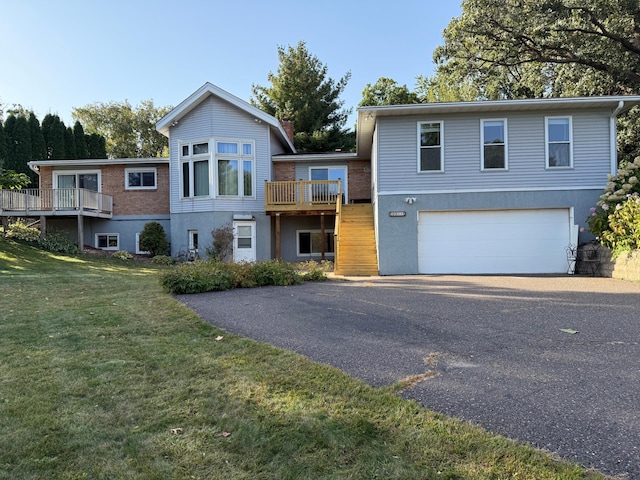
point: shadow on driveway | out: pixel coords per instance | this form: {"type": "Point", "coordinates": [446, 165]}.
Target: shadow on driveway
{"type": "Point", "coordinates": [502, 348]}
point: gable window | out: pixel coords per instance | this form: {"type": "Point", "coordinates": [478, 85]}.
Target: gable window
{"type": "Point", "coordinates": [140, 178]}
{"type": "Point", "coordinates": [310, 242]}
{"type": "Point", "coordinates": [194, 158]}
{"type": "Point", "coordinates": [235, 168]}
{"type": "Point", "coordinates": [108, 241]}
{"type": "Point", "coordinates": [494, 144]}
{"type": "Point", "coordinates": [559, 150]}
{"type": "Point", "coordinates": [431, 154]}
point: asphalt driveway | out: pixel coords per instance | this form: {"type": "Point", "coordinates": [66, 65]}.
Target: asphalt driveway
{"type": "Point", "coordinates": [502, 348]}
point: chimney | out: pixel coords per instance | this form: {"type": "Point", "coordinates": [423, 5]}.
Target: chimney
{"type": "Point", "coordinates": [288, 128]}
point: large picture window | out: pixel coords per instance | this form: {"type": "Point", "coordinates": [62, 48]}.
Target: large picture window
{"type": "Point", "coordinates": [195, 160]}
{"type": "Point", "coordinates": [559, 150]}
{"type": "Point", "coordinates": [310, 242]}
{"type": "Point", "coordinates": [430, 149]}
{"type": "Point", "coordinates": [235, 168]}
{"type": "Point", "coordinates": [494, 144]}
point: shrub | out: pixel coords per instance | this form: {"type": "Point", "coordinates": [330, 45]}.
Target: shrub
{"type": "Point", "coordinates": [58, 243]}
{"type": "Point", "coordinates": [222, 245]}
{"type": "Point", "coordinates": [122, 255]}
{"type": "Point", "coordinates": [623, 232]}
{"type": "Point", "coordinates": [153, 239]}
{"type": "Point", "coordinates": [162, 260]}
{"type": "Point", "coordinates": [275, 272]}
{"type": "Point", "coordinates": [19, 230]}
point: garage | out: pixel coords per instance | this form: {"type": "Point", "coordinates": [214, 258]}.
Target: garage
{"type": "Point", "coordinates": [494, 241]}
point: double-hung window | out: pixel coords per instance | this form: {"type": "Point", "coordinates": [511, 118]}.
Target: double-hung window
{"type": "Point", "coordinates": [559, 140]}
{"type": "Point", "coordinates": [235, 168]}
{"type": "Point", "coordinates": [493, 135]}
{"type": "Point", "coordinates": [430, 147]}
{"type": "Point", "coordinates": [140, 178]}
{"type": "Point", "coordinates": [194, 158]}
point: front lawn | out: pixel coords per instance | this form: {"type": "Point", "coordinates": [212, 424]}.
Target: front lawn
{"type": "Point", "coordinates": [105, 376]}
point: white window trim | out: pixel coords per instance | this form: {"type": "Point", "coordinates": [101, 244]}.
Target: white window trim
{"type": "Point", "coordinates": [546, 143]}
{"type": "Point", "coordinates": [298, 232]}
{"type": "Point", "coordinates": [57, 173]}
{"type": "Point", "coordinates": [241, 158]}
{"type": "Point", "coordinates": [506, 145]}
{"type": "Point", "coordinates": [190, 159]}
{"type": "Point", "coordinates": [117, 235]}
{"type": "Point", "coordinates": [127, 171]}
{"type": "Point", "coordinates": [419, 124]}
{"type": "Point", "coordinates": [138, 251]}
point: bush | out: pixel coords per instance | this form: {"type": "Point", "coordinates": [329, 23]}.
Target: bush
{"type": "Point", "coordinates": [162, 260]}
{"type": "Point", "coordinates": [58, 243]}
{"type": "Point", "coordinates": [206, 276]}
{"type": "Point", "coordinates": [615, 220]}
{"type": "Point", "coordinates": [222, 246]}
{"type": "Point", "coordinates": [122, 255]}
{"type": "Point", "coordinates": [19, 230]}
{"type": "Point", "coordinates": [153, 239]}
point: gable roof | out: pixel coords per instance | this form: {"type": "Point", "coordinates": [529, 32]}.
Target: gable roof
{"type": "Point", "coordinates": [202, 93]}
{"type": "Point", "coordinates": [367, 116]}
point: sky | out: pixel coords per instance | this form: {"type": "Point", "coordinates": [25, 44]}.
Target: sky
{"type": "Point", "coordinates": [57, 55]}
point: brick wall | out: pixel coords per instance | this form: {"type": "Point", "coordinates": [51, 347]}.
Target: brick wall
{"type": "Point", "coordinates": [284, 171]}
{"type": "Point", "coordinates": [359, 180]}
{"type": "Point", "coordinates": [46, 177]}
{"type": "Point", "coordinates": [136, 202]}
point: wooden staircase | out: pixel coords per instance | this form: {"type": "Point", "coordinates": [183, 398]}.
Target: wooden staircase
{"type": "Point", "coordinates": [356, 247]}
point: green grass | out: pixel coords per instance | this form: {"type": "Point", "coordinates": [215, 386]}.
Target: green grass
{"type": "Point", "coordinates": [104, 376]}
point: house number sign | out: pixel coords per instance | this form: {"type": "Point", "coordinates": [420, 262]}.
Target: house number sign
{"type": "Point", "coordinates": [397, 214]}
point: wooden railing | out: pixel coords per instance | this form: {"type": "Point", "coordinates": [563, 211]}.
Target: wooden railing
{"type": "Point", "coordinates": [43, 201]}
{"type": "Point", "coordinates": [302, 195]}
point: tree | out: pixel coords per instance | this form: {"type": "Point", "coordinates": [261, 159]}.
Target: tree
{"type": "Point", "coordinates": [69, 144]}
{"type": "Point", "coordinates": [53, 131]}
{"type": "Point", "coordinates": [96, 146]}
{"type": "Point", "coordinates": [38, 148]}
{"type": "Point", "coordinates": [301, 92]}
{"type": "Point", "coordinates": [129, 132]}
{"type": "Point", "coordinates": [19, 144]}
{"type": "Point", "coordinates": [3, 146]}
{"type": "Point", "coordinates": [153, 239]}
{"type": "Point", "coordinates": [386, 91]}
{"type": "Point", "coordinates": [80, 141]}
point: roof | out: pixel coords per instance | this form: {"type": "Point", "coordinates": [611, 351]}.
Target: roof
{"type": "Point", "coordinates": [367, 116]}
{"type": "Point", "coordinates": [202, 93]}
{"type": "Point", "coordinates": [92, 162]}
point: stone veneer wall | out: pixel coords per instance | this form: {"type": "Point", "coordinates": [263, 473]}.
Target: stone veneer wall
{"type": "Point", "coordinates": [625, 267]}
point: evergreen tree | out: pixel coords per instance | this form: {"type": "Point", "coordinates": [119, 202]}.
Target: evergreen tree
{"type": "Point", "coordinates": [53, 130]}
{"type": "Point", "coordinates": [69, 144]}
{"type": "Point", "coordinates": [81, 141]}
{"type": "Point", "coordinates": [96, 146]}
{"type": "Point", "coordinates": [38, 148]}
{"type": "Point", "coordinates": [3, 147]}
{"type": "Point", "coordinates": [301, 92]}
{"type": "Point", "coordinates": [19, 151]}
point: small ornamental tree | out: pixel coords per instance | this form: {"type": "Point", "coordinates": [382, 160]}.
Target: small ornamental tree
{"type": "Point", "coordinates": [615, 220]}
{"type": "Point", "coordinates": [153, 239]}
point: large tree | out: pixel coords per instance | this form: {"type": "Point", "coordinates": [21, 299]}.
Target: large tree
{"type": "Point", "coordinates": [129, 131]}
{"type": "Point", "coordinates": [53, 131]}
{"type": "Point", "coordinates": [302, 92]}
{"type": "Point", "coordinates": [386, 91]}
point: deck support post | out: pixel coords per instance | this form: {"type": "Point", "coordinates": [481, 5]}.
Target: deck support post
{"type": "Point", "coordinates": [43, 227]}
{"type": "Point", "coordinates": [323, 239]}
{"type": "Point", "coordinates": [80, 233]}
{"type": "Point", "coordinates": [277, 236]}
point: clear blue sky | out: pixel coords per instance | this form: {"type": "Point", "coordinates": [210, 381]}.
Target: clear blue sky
{"type": "Point", "coordinates": [56, 55]}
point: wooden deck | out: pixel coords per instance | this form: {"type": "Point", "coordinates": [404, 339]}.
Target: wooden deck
{"type": "Point", "coordinates": [35, 202]}
{"type": "Point", "coordinates": [302, 197]}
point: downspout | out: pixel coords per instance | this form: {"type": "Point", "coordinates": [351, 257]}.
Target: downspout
{"type": "Point", "coordinates": [613, 137]}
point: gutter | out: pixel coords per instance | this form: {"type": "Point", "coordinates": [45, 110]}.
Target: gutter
{"type": "Point", "coordinates": [613, 137]}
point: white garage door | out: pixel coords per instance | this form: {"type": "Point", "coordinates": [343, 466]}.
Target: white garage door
{"type": "Point", "coordinates": [494, 241]}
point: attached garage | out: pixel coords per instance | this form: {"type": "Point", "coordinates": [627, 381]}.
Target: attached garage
{"type": "Point", "coordinates": [494, 241]}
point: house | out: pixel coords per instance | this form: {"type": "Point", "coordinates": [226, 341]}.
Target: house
{"type": "Point", "coordinates": [105, 202]}
{"type": "Point", "coordinates": [471, 187]}
{"type": "Point", "coordinates": [487, 187]}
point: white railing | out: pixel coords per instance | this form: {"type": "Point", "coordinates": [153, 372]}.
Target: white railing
{"type": "Point", "coordinates": [43, 200]}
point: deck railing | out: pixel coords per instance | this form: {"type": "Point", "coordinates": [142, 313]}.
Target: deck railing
{"type": "Point", "coordinates": [302, 195]}
{"type": "Point", "coordinates": [41, 201]}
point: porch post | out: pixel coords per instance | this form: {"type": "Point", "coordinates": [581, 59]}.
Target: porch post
{"type": "Point", "coordinates": [43, 226]}
{"type": "Point", "coordinates": [323, 239]}
{"type": "Point", "coordinates": [80, 233]}
{"type": "Point", "coordinates": [277, 235]}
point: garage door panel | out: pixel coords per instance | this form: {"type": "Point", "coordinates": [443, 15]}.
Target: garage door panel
{"type": "Point", "coordinates": [501, 241]}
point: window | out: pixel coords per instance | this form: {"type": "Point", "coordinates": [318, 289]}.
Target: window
{"type": "Point", "coordinates": [195, 169]}
{"type": "Point", "coordinates": [329, 192]}
{"type": "Point", "coordinates": [494, 144]}
{"type": "Point", "coordinates": [140, 178]}
{"type": "Point", "coordinates": [88, 180]}
{"type": "Point", "coordinates": [235, 168]}
{"type": "Point", "coordinates": [108, 241]}
{"type": "Point", "coordinates": [138, 251]}
{"type": "Point", "coordinates": [559, 149]}
{"type": "Point", "coordinates": [431, 153]}
{"type": "Point", "coordinates": [310, 242]}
